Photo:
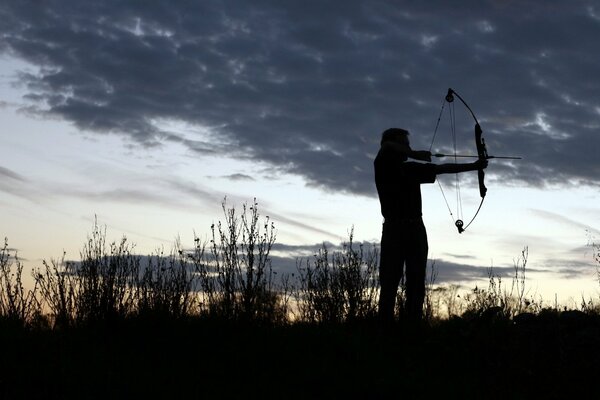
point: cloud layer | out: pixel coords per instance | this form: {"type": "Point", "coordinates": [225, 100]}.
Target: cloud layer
{"type": "Point", "coordinates": [309, 86]}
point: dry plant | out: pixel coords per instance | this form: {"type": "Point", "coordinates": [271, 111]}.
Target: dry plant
{"type": "Point", "coordinates": [17, 305]}
{"type": "Point", "coordinates": [101, 287]}
{"type": "Point", "coordinates": [234, 280]}
{"type": "Point", "coordinates": [446, 300]}
{"type": "Point", "coordinates": [231, 277]}
{"type": "Point", "coordinates": [166, 285]}
{"type": "Point", "coordinates": [338, 287]}
{"type": "Point", "coordinates": [105, 278]}
{"type": "Point", "coordinates": [57, 289]}
{"type": "Point", "coordinates": [109, 283]}
{"type": "Point", "coordinates": [497, 300]}
{"type": "Point", "coordinates": [236, 277]}
{"type": "Point", "coordinates": [431, 303]}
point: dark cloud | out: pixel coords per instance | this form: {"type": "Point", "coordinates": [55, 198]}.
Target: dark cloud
{"type": "Point", "coordinates": [296, 223]}
{"type": "Point", "coordinates": [7, 173]}
{"type": "Point", "coordinates": [238, 177]}
{"type": "Point", "coordinates": [17, 185]}
{"type": "Point", "coordinates": [288, 257]}
{"type": "Point", "coordinates": [309, 86]}
{"type": "Point", "coordinates": [449, 272]}
{"type": "Point", "coordinates": [569, 269]}
{"type": "Point", "coordinates": [303, 250]}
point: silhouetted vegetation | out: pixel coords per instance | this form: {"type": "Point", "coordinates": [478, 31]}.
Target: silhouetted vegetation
{"type": "Point", "coordinates": [338, 287]}
{"type": "Point", "coordinates": [216, 320]}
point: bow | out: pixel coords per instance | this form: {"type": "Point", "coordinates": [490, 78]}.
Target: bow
{"type": "Point", "coordinates": [482, 154]}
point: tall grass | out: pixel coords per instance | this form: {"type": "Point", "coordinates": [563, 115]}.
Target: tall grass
{"type": "Point", "coordinates": [236, 277]}
{"type": "Point", "coordinates": [230, 277]}
{"type": "Point", "coordinates": [338, 287]}
{"type": "Point", "coordinates": [101, 287]}
{"type": "Point", "coordinates": [498, 300]}
{"type": "Point", "coordinates": [165, 285]}
{"type": "Point", "coordinates": [17, 305]}
{"type": "Point", "coordinates": [232, 280]}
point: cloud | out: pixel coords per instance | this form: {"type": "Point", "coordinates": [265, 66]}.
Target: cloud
{"type": "Point", "coordinates": [7, 173]}
{"type": "Point", "coordinates": [303, 250]}
{"type": "Point", "coordinates": [561, 219]}
{"type": "Point", "coordinates": [8, 254]}
{"type": "Point", "coordinates": [569, 269]}
{"type": "Point", "coordinates": [239, 177]}
{"type": "Point", "coordinates": [287, 256]}
{"type": "Point", "coordinates": [309, 86]}
{"type": "Point", "coordinates": [17, 185]}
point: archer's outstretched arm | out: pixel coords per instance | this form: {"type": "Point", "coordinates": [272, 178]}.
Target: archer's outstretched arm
{"type": "Point", "coordinates": [457, 168]}
{"type": "Point", "coordinates": [422, 155]}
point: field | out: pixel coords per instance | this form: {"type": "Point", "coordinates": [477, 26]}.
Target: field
{"type": "Point", "coordinates": [216, 322]}
{"type": "Point", "coordinates": [553, 355]}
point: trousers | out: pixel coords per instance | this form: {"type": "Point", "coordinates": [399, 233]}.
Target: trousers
{"type": "Point", "coordinates": [404, 251]}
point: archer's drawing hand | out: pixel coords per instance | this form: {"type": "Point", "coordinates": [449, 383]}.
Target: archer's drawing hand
{"type": "Point", "coordinates": [481, 164]}
{"type": "Point", "coordinates": [422, 155]}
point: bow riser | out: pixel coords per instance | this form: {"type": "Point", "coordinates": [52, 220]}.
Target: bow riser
{"type": "Point", "coordinates": [482, 153]}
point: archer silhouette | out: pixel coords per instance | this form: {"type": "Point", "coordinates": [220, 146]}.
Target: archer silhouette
{"type": "Point", "coordinates": [404, 238]}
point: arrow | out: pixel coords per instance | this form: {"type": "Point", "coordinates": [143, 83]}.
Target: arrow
{"type": "Point", "coordinates": [469, 156]}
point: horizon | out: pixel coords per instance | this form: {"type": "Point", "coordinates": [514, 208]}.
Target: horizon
{"type": "Point", "coordinates": [149, 116]}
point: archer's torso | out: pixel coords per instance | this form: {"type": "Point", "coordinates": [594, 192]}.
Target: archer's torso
{"type": "Point", "coordinates": [399, 185]}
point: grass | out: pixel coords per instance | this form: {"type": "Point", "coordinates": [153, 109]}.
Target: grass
{"type": "Point", "coordinates": [216, 321]}
{"type": "Point", "coordinates": [551, 357]}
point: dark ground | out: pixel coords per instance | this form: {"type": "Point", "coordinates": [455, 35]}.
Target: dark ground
{"type": "Point", "coordinates": [550, 355]}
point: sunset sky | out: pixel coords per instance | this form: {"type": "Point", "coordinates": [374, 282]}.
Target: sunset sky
{"type": "Point", "coordinates": [147, 114]}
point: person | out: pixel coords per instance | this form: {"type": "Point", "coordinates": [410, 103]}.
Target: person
{"type": "Point", "coordinates": [404, 238]}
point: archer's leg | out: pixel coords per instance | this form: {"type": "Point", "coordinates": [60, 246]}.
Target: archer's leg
{"type": "Point", "coordinates": [416, 266]}
{"type": "Point", "coordinates": [390, 271]}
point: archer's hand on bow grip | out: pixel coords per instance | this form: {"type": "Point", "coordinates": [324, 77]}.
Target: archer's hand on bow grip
{"type": "Point", "coordinates": [483, 156]}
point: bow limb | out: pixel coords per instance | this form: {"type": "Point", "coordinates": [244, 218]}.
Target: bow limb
{"type": "Point", "coordinates": [450, 99]}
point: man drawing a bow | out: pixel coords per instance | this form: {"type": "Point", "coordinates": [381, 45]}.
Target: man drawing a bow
{"type": "Point", "coordinates": [404, 238]}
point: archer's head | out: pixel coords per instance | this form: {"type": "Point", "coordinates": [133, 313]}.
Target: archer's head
{"type": "Point", "coordinates": [396, 135]}
{"type": "Point", "coordinates": [398, 138]}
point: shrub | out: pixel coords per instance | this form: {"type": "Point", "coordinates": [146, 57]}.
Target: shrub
{"type": "Point", "coordinates": [16, 304]}
{"type": "Point", "coordinates": [498, 300]}
{"type": "Point", "coordinates": [236, 277]}
{"type": "Point", "coordinates": [166, 285]}
{"type": "Point", "coordinates": [338, 287]}
{"type": "Point", "coordinates": [102, 286]}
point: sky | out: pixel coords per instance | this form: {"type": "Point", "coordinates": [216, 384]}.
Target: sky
{"type": "Point", "coordinates": [147, 115]}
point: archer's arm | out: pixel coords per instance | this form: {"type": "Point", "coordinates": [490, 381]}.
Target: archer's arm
{"type": "Point", "coordinates": [456, 168]}
{"type": "Point", "coordinates": [421, 155]}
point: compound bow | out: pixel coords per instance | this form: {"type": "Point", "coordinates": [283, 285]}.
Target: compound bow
{"type": "Point", "coordinates": [482, 154]}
